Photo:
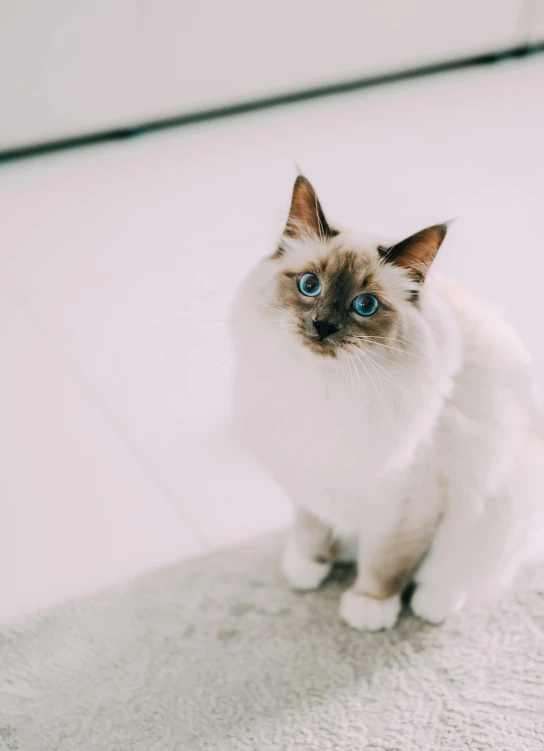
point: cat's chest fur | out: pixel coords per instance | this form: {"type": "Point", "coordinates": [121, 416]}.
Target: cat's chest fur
{"type": "Point", "coordinates": [328, 443]}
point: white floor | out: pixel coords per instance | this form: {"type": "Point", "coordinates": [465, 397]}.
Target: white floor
{"type": "Point", "coordinates": [117, 264]}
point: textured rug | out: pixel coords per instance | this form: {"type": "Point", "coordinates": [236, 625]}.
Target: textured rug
{"type": "Point", "coordinates": [217, 653]}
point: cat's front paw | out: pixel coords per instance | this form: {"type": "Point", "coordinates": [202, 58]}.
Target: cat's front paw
{"type": "Point", "coordinates": [435, 605]}
{"type": "Point", "coordinates": [367, 613]}
{"type": "Point", "coordinates": [301, 572]}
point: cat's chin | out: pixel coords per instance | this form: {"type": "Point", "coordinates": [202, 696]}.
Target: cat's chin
{"type": "Point", "coordinates": [323, 349]}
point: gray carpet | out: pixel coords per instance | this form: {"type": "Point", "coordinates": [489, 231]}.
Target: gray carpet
{"type": "Point", "coordinates": [217, 653]}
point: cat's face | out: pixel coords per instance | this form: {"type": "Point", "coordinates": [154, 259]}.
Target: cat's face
{"type": "Point", "coordinates": [337, 295]}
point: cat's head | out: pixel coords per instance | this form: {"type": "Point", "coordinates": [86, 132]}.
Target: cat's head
{"type": "Point", "coordinates": [335, 294]}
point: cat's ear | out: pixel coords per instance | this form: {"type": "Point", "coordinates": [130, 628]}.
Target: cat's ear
{"type": "Point", "coordinates": [306, 215]}
{"type": "Point", "coordinates": [417, 252]}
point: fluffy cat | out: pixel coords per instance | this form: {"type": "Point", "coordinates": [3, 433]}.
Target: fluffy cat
{"type": "Point", "coordinates": [394, 408]}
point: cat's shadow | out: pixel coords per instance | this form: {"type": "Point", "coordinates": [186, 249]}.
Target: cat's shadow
{"type": "Point", "coordinates": [216, 653]}
{"type": "Point", "coordinates": [261, 652]}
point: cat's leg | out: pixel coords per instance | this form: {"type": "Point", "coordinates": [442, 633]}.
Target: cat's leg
{"type": "Point", "coordinates": [386, 563]}
{"type": "Point", "coordinates": [468, 558]}
{"type": "Point", "coordinates": [309, 553]}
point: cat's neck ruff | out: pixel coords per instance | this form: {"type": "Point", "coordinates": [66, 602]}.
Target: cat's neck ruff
{"type": "Point", "coordinates": [375, 408]}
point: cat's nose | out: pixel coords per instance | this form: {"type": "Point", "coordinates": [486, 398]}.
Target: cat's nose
{"type": "Point", "coordinates": [324, 328]}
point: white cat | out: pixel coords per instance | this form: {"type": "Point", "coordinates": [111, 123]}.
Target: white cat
{"type": "Point", "coordinates": [393, 407]}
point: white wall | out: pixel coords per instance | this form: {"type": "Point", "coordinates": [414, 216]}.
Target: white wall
{"type": "Point", "coordinates": [69, 67]}
{"type": "Point", "coordinates": [536, 22]}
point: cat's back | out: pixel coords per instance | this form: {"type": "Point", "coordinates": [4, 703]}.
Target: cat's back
{"type": "Point", "coordinates": [485, 326]}
{"type": "Point", "coordinates": [496, 375]}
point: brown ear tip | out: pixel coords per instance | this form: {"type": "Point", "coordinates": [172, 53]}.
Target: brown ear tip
{"type": "Point", "coordinates": [440, 229]}
{"type": "Point", "coordinates": [448, 223]}
{"type": "Point", "coordinates": [302, 181]}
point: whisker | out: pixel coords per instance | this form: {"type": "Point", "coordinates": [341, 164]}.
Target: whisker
{"type": "Point", "coordinates": [368, 399]}
{"type": "Point", "coordinates": [283, 312]}
{"type": "Point", "coordinates": [387, 374]}
{"type": "Point", "coordinates": [352, 383]}
{"type": "Point", "coordinates": [388, 346]}
{"type": "Point", "coordinates": [375, 387]}
{"type": "Point", "coordinates": [282, 327]}
{"type": "Point", "coordinates": [352, 365]}
{"type": "Point", "coordinates": [384, 257]}
{"type": "Point", "coordinates": [387, 359]}
{"type": "Point", "coordinates": [232, 294]}
{"type": "Point", "coordinates": [391, 338]}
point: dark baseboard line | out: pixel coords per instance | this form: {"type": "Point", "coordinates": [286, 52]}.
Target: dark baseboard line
{"type": "Point", "coordinates": [265, 103]}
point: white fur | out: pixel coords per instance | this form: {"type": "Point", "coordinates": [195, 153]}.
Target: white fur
{"type": "Point", "coordinates": [367, 613]}
{"type": "Point", "coordinates": [301, 572]}
{"type": "Point", "coordinates": [456, 425]}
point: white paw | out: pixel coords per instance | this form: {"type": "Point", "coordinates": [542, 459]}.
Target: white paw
{"type": "Point", "coordinates": [367, 613]}
{"type": "Point", "coordinates": [435, 605]}
{"type": "Point", "coordinates": [301, 572]}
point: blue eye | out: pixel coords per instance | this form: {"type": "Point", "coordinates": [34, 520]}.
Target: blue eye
{"type": "Point", "coordinates": [365, 305]}
{"type": "Point", "coordinates": [309, 285]}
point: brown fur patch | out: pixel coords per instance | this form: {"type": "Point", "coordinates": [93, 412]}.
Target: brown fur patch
{"type": "Point", "coordinates": [315, 538]}
{"type": "Point", "coordinates": [278, 253]}
{"type": "Point", "coordinates": [417, 252]}
{"type": "Point", "coordinates": [396, 560]}
{"type": "Point", "coordinates": [306, 216]}
{"type": "Point", "coordinates": [344, 275]}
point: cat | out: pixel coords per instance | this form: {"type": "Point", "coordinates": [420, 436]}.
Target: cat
{"type": "Point", "coordinates": [395, 409]}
